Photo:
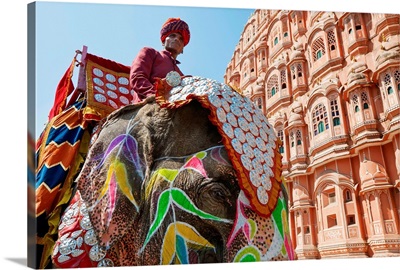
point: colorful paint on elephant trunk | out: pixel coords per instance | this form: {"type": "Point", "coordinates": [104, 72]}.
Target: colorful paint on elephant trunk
{"type": "Point", "coordinates": [180, 238]}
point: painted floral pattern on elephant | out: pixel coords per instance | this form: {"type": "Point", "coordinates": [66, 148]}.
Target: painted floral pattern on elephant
{"type": "Point", "coordinates": [161, 191]}
{"type": "Point", "coordinates": [180, 237]}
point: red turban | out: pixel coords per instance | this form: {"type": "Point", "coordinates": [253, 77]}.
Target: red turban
{"type": "Point", "coordinates": [175, 25]}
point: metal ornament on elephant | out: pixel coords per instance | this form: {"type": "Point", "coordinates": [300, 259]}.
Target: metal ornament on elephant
{"type": "Point", "coordinates": [249, 139]}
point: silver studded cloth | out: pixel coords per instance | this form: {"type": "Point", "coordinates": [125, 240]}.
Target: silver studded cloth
{"type": "Point", "coordinates": [77, 245]}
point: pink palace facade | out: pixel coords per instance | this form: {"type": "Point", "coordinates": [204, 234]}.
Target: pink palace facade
{"type": "Point", "coordinates": [329, 83]}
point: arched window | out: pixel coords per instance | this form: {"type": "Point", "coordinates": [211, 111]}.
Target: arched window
{"type": "Point", "coordinates": [318, 49]}
{"type": "Point", "coordinates": [397, 79]}
{"type": "Point", "coordinates": [347, 196]}
{"type": "Point", "coordinates": [293, 69]}
{"type": "Point", "coordinates": [391, 82]}
{"type": "Point", "coordinates": [291, 139]}
{"type": "Point", "coordinates": [331, 40]}
{"type": "Point", "coordinates": [276, 40]}
{"type": "Point", "coordinates": [388, 82]}
{"type": "Point", "coordinates": [298, 137]}
{"type": "Point", "coordinates": [320, 119]}
{"type": "Point", "coordinates": [355, 103]}
{"type": "Point", "coordinates": [280, 136]}
{"type": "Point", "coordinates": [283, 78]}
{"type": "Point", "coordinates": [259, 103]}
{"type": "Point", "coordinates": [335, 112]}
{"type": "Point", "coordinates": [272, 86]}
{"type": "Point", "coordinates": [299, 70]}
{"type": "Point", "coordinates": [364, 100]}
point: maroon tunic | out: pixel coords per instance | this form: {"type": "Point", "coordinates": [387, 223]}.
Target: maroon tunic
{"type": "Point", "coordinates": [149, 64]}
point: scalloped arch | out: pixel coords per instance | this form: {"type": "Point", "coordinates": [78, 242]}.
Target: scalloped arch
{"type": "Point", "coordinates": [332, 177]}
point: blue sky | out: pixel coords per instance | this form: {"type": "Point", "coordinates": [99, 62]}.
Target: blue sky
{"type": "Point", "coordinates": [117, 32]}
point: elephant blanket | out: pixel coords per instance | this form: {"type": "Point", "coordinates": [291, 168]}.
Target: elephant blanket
{"type": "Point", "coordinates": [190, 176]}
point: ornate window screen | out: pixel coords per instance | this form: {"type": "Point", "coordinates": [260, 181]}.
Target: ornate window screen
{"type": "Point", "coordinates": [318, 49]}
{"type": "Point", "coordinates": [364, 100]}
{"type": "Point", "coordinates": [331, 40]}
{"type": "Point", "coordinates": [355, 103]}
{"type": "Point", "coordinates": [320, 119]}
{"type": "Point", "coordinates": [397, 79]}
{"type": "Point", "coordinates": [280, 136]}
{"type": "Point", "coordinates": [335, 112]}
{"type": "Point", "coordinates": [283, 78]}
{"type": "Point", "coordinates": [298, 137]}
{"type": "Point", "coordinates": [272, 85]}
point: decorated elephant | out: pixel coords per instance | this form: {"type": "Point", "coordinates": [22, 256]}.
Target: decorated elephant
{"type": "Point", "coordinates": [192, 175]}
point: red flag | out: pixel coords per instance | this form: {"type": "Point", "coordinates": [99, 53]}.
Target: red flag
{"type": "Point", "coordinates": [64, 89]}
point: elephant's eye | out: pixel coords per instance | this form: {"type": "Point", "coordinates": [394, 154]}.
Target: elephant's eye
{"type": "Point", "coordinates": [215, 198]}
{"type": "Point", "coordinates": [219, 193]}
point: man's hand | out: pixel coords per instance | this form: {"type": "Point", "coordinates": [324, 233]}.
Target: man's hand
{"type": "Point", "coordinates": [162, 85]}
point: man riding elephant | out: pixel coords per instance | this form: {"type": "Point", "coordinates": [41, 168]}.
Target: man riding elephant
{"type": "Point", "coordinates": [192, 175]}
{"type": "Point", "coordinates": [150, 65]}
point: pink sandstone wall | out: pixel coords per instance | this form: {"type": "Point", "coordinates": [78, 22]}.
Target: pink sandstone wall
{"type": "Point", "coordinates": [329, 83]}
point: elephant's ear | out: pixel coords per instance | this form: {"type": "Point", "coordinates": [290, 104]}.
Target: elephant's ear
{"type": "Point", "coordinates": [111, 179]}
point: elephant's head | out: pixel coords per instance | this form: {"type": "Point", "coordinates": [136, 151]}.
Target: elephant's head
{"type": "Point", "coordinates": [161, 187]}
